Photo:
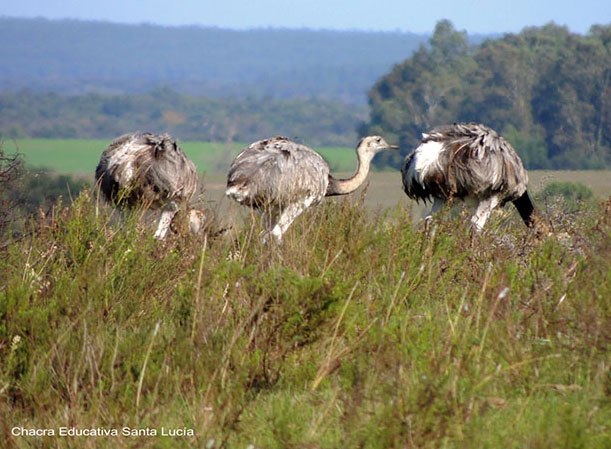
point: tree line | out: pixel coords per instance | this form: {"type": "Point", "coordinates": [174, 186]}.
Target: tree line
{"type": "Point", "coordinates": [548, 91]}
{"type": "Point", "coordinates": [314, 121]}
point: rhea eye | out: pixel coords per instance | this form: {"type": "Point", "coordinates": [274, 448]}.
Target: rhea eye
{"type": "Point", "coordinates": [379, 139]}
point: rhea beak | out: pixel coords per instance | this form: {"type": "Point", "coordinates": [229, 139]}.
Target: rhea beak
{"type": "Point", "coordinates": [393, 147]}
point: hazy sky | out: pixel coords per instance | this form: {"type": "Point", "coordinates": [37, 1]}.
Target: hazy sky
{"type": "Point", "coordinates": [475, 16]}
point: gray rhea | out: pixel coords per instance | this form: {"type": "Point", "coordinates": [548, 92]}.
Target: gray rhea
{"type": "Point", "coordinates": [280, 179]}
{"type": "Point", "coordinates": [470, 162]}
{"type": "Point", "coordinates": [149, 169]}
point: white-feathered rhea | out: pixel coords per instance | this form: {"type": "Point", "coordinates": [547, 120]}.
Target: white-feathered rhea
{"type": "Point", "coordinates": [470, 162]}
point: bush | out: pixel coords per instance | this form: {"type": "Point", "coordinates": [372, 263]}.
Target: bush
{"type": "Point", "coordinates": [572, 195]}
{"type": "Point", "coordinates": [23, 193]}
{"type": "Point", "coordinates": [11, 170]}
{"type": "Point", "coordinates": [41, 189]}
{"type": "Point", "coordinates": [358, 331]}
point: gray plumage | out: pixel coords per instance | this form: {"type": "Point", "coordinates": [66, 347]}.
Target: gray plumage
{"type": "Point", "coordinates": [149, 169]}
{"type": "Point", "coordinates": [281, 178]}
{"type": "Point", "coordinates": [467, 161]}
{"type": "Point", "coordinates": [277, 172]}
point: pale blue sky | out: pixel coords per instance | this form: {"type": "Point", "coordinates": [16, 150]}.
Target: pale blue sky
{"type": "Point", "coordinates": [475, 16]}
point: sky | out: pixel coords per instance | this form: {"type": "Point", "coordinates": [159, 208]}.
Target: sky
{"type": "Point", "coordinates": [474, 16]}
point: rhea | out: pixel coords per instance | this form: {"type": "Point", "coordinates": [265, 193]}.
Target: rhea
{"type": "Point", "coordinates": [280, 179]}
{"type": "Point", "coordinates": [469, 162]}
{"type": "Point", "coordinates": [151, 170]}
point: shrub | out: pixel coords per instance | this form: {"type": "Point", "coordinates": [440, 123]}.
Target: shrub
{"type": "Point", "coordinates": [358, 331]}
{"type": "Point", "coordinates": [11, 170]}
{"type": "Point", "coordinates": [573, 195]}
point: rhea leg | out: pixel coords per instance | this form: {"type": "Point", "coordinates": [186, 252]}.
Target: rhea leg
{"type": "Point", "coordinates": [167, 214]}
{"type": "Point", "coordinates": [269, 216]}
{"type": "Point", "coordinates": [285, 219]}
{"type": "Point", "coordinates": [483, 211]}
{"type": "Point", "coordinates": [288, 215]}
{"type": "Point", "coordinates": [438, 204]}
{"type": "Point", "coordinates": [197, 220]}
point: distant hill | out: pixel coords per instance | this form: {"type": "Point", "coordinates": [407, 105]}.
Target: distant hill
{"type": "Point", "coordinates": [74, 57]}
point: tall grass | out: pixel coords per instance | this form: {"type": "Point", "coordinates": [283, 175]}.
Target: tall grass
{"type": "Point", "coordinates": [360, 330]}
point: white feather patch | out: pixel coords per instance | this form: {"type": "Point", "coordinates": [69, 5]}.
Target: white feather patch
{"type": "Point", "coordinates": [426, 158]}
{"type": "Point", "coordinates": [121, 162]}
{"type": "Point", "coordinates": [238, 193]}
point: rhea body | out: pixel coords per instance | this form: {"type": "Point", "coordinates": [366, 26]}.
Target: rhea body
{"type": "Point", "coordinates": [152, 170]}
{"type": "Point", "coordinates": [469, 162]}
{"type": "Point", "coordinates": [281, 178]}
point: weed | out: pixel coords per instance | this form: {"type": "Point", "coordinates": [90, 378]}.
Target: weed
{"type": "Point", "coordinates": [360, 330]}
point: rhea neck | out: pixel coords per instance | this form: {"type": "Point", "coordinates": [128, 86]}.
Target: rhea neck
{"type": "Point", "coordinates": [526, 209]}
{"type": "Point", "coordinates": [349, 185]}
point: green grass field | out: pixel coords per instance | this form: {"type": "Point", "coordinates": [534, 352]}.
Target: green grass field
{"type": "Point", "coordinates": [80, 156]}
{"type": "Point", "coordinates": [383, 189]}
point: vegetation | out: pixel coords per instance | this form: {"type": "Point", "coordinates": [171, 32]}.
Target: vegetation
{"type": "Point", "coordinates": [548, 91]}
{"type": "Point", "coordinates": [81, 156]}
{"type": "Point", "coordinates": [11, 170]}
{"type": "Point", "coordinates": [94, 116]}
{"type": "Point", "coordinates": [40, 190]}
{"type": "Point", "coordinates": [545, 89]}
{"type": "Point", "coordinates": [359, 331]}
{"type": "Point", "coordinates": [571, 194]}
{"type": "Point", "coordinates": [24, 192]}
{"type": "Point", "coordinates": [76, 57]}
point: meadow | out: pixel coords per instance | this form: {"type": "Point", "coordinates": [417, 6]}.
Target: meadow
{"type": "Point", "coordinates": [80, 156]}
{"type": "Point", "coordinates": [362, 329]}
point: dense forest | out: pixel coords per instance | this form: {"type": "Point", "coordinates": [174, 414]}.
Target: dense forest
{"type": "Point", "coordinates": [548, 91]}
{"type": "Point", "coordinates": [76, 57]}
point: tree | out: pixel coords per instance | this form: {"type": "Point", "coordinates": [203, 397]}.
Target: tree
{"type": "Point", "coordinates": [571, 101]}
{"type": "Point", "coordinates": [546, 89]}
{"type": "Point", "coordinates": [447, 44]}
{"type": "Point", "coordinates": [421, 92]}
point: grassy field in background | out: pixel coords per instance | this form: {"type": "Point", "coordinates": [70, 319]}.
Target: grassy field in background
{"type": "Point", "coordinates": [80, 156]}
